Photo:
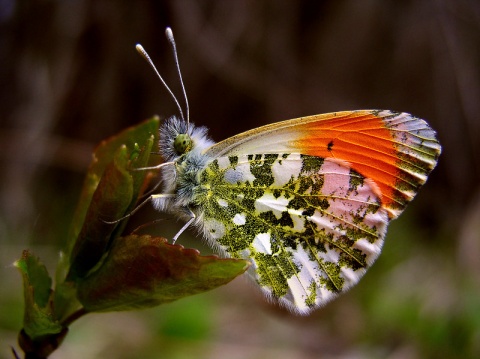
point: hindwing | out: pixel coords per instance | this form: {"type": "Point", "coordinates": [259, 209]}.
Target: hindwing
{"type": "Point", "coordinates": [311, 226]}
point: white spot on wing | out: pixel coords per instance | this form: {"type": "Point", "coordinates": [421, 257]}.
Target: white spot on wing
{"type": "Point", "coordinates": [308, 269]}
{"type": "Point", "coordinates": [222, 202]}
{"type": "Point", "coordinates": [262, 244]}
{"type": "Point", "coordinates": [239, 219]}
{"type": "Point", "coordinates": [214, 229]}
{"type": "Point", "coordinates": [371, 250]}
{"type": "Point", "coordinates": [331, 255]}
{"type": "Point", "coordinates": [223, 162]}
{"type": "Point", "coordinates": [300, 284]}
{"type": "Point", "coordinates": [233, 176]}
{"type": "Point", "coordinates": [269, 203]}
{"type": "Point", "coordinates": [350, 276]}
{"type": "Point", "coordinates": [298, 221]}
{"type": "Point", "coordinates": [283, 169]}
{"type": "Point", "coordinates": [298, 293]}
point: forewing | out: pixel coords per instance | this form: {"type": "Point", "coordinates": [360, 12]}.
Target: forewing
{"type": "Point", "coordinates": [396, 150]}
{"type": "Point", "coordinates": [311, 226]}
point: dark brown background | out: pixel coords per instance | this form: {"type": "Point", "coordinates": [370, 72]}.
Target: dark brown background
{"type": "Point", "coordinates": [71, 77]}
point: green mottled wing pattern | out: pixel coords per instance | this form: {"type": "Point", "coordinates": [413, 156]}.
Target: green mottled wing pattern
{"type": "Point", "coordinates": [310, 226]}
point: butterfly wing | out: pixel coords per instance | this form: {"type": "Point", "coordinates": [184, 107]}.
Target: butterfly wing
{"type": "Point", "coordinates": [396, 150]}
{"type": "Point", "coordinates": [310, 226]}
{"type": "Point", "coordinates": [308, 200]}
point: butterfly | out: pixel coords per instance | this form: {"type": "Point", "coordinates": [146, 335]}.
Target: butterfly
{"type": "Point", "coordinates": [307, 201]}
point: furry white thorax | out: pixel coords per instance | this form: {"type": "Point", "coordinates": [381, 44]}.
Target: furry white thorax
{"type": "Point", "coordinates": [181, 177]}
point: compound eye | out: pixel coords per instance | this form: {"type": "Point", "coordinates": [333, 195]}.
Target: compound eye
{"type": "Point", "coordinates": [182, 144]}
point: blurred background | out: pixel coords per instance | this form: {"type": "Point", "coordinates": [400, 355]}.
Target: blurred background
{"type": "Point", "coordinates": [70, 77]}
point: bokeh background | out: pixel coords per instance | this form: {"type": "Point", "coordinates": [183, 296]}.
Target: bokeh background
{"type": "Point", "coordinates": [70, 77]}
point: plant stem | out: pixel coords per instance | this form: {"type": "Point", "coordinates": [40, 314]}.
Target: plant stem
{"type": "Point", "coordinates": [40, 348]}
{"type": "Point", "coordinates": [74, 316]}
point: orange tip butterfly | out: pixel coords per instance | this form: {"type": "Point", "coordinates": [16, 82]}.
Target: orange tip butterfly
{"type": "Point", "coordinates": [307, 201]}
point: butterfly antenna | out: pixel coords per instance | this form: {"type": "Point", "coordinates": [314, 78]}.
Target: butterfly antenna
{"type": "Point", "coordinates": [169, 34]}
{"type": "Point", "coordinates": [145, 55]}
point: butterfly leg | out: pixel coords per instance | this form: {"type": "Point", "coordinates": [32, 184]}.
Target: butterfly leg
{"type": "Point", "coordinates": [186, 225]}
{"type": "Point", "coordinates": [131, 213]}
{"type": "Point", "coordinates": [135, 210]}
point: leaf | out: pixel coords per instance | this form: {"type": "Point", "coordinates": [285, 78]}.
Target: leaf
{"type": "Point", "coordinates": [138, 159]}
{"type": "Point", "coordinates": [110, 201]}
{"type": "Point", "coordinates": [65, 300]}
{"type": "Point", "coordinates": [39, 319]}
{"type": "Point", "coordinates": [115, 195]}
{"type": "Point", "coordinates": [89, 235]}
{"type": "Point", "coordinates": [103, 156]}
{"type": "Point", "coordinates": [144, 134]}
{"type": "Point", "coordinates": [145, 271]}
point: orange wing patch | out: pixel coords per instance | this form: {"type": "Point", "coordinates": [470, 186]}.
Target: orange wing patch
{"type": "Point", "coordinates": [396, 151]}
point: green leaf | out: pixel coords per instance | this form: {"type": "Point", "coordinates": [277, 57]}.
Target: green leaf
{"type": "Point", "coordinates": [110, 201]}
{"type": "Point", "coordinates": [110, 191]}
{"type": "Point", "coordinates": [39, 319]}
{"type": "Point", "coordinates": [103, 156]}
{"type": "Point", "coordinates": [115, 193]}
{"type": "Point", "coordinates": [65, 300]}
{"type": "Point", "coordinates": [145, 271]}
{"type": "Point", "coordinates": [139, 141]}
{"type": "Point", "coordinates": [138, 159]}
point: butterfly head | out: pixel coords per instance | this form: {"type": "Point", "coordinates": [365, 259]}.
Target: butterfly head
{"type": "Point", "coordinates": [178, 139]}
{"type": "Point", "coordinates": [182, 143]}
